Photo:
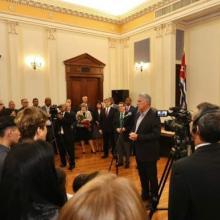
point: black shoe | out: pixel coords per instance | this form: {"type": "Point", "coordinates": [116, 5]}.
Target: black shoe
{"type": "Point", "coordinates": [62, 165]}
{"type": "Point", "coordinates": [105, 156]}
{"type": "Point", "coordinates": [145, 198]}
{"type": "Point", "coordinates": [71, 167]}
{"type": "Point", "coordinates": [120, 164]}
{"type": "Point", "coordinates": [127, 165]}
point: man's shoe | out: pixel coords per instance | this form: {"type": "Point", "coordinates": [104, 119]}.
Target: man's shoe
{"type": "Point", "coordinates": [71, 167]}
{"type": "Point", "coordinates": [120, 164]}
{"type": "Point", "coordinates": [104, 156]}
{"type": "Point", "coordinates": [127, 165]}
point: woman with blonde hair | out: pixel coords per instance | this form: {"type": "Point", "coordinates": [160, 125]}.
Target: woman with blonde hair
{"type": "Point", "coordinates": [84, 119]}
{"type": "Point", "coordinates": [107, 197]}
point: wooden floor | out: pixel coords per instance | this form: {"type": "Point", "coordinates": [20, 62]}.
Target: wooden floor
{"type": "Point", "coordinates": [89, 162]}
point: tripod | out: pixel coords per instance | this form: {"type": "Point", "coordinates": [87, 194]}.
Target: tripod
{"type": "Point", "coordinates": [53, 139]}
{"type": "Point", "coordinates": [175, 154]}
{"type": "Point", "coordinates": [114, 157]}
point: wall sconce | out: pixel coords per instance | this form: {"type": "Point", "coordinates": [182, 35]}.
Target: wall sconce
{"type": "Point", "coordinates": [35, 62]}
{"type": "Point", "coordinates": [141, 66]}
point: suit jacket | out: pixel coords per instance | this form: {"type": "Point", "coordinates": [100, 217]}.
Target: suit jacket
{"type": "Point", "coordinates": [132, 109]}
{"type": "Point", "coordinates": [107, 122]}
{"type": "Point", "coordinates": [147, 144]}
{"type": "Point", "coordinates": [68, 123]}
{"type": "Point", "coordinates": [127, 122]}
{"type": "Point", "coordinates": [195, 185]}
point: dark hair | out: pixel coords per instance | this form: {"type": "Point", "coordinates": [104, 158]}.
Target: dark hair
{"type": "Point", "coordinates": [204, 106]}
{"type": "Point", "coordinates": [208, 123]}
{"type": "Point", "coordinates": [82, 179]}
{"type": "Point", "coordinates": [209, 126]}
{"type": "Point", "coordinates": [28, 177]}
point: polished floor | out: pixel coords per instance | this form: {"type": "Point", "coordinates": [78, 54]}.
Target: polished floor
{"type": "Point", "coordinates": [89, 162]}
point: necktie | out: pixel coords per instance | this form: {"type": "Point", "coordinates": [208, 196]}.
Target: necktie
{"type": "Point", "coordinates": [121, 119]}
{"type": "Point", "coordinates": [106, 112]}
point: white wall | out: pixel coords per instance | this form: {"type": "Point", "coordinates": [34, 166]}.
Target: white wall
{"type": "Point", "coordinates": [17, 80]}
{"type": "Point", "coordinates": [203, 62]}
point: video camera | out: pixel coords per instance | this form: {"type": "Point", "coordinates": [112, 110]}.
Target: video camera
{"type": "Point", "coordinates": [178, 124]}
{"type": "Point", "coordinates": [53, 112]}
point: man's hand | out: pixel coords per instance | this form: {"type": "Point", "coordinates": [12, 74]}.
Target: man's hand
{"type": "Point", "coordinates": [100, 131]}
{"type": "Point", "coordinates": [133, 136]}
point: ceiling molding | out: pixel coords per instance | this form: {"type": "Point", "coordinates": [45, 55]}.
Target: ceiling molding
{"type": "Point", "coordinates": [176, 17]}
{"type": "Point", "coordinates": [58, 26]}
{"type": "Point", "coordinates": [91, 14]}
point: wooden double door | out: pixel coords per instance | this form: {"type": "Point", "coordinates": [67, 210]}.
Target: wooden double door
{"type": "Point", "coordinates": [84, 77]}
{"type": "Point", "coordinates": [84, 86]}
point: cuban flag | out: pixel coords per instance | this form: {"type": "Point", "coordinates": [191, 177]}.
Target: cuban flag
{"type": "Point", "coordinates": [182, 83]}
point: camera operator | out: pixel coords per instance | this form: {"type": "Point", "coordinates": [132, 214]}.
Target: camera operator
{"type": "Point", "coordinates": [195, 180]}
{"type": "Point", "coordinates": [66, 120]}
{"type": "Point", "coordinates": [51, 111]}
{"type": "Point", "coordinates": [145, 135]}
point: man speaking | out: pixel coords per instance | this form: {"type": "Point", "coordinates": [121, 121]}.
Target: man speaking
{"type": "Point", "coordinates": [146, 134]}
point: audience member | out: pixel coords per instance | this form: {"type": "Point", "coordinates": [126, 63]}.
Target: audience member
{"type": "Point", "coordinates": [84, 126]}
{"type": "Point", "coordinates": [35, 102]}
{"type": "Point", "coordinates": [2, 109]}
{"type": "Point", "coordinates": [66, 120]}
{"type": "Point", "coordinates": [82, 179]}
{"type": "Point", "coordinates": [194, 185]}
{"type": "Point", "coordinates": [107, 127]}
{"type": "Point", "coordinates": [145, 135]}
{"type": "Point", "coordinates": [11, 110]}
{"type": "Point", "coordinates": [51, 111]}
{"type": "Point", "coordinates": [31, 123]}
{"type": "Point", "coordinates": [24, 104]}
{"type": "Point", "coordinates": [30, 188]}
{"type": "Point", "coordinates": [9, 135]}
{"type": "Point", "coordinates": [106, 197]}
{"type": "Point", "coordinates": [129, 107]}
{"type": "Point", "coordinates": [123, 123]}
{"type": "Point", "coordinates": [96, 127]}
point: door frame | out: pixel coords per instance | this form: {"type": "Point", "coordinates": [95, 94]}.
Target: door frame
{"type": "Point", "coordinates": [84, 66]}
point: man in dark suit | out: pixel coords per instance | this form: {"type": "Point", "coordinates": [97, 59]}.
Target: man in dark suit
{"type": "Point", "coordinates": [195, 180]}
{"type": "Point", "coordinates": [129, 107]}
{"type": "Point", "coordinates": [146, 134]}
{"type": "Point", "coordinates": [66, 125]}
{"type": "Point", "coordinates": [107, 127]}
{"type": "Point", "coordinates": [123, 123]}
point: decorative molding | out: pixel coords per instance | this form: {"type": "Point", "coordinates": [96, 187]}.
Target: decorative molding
{"type": "Point", "coordinates": [125, 42]}
{"type": "Point", "coordinates": [51, 33]}
{"type": "Point", "coordinates": [142, 10]}
{"type": "Point", "coordinates": [112, 43]}
{"type": "Point", "coordinates": [159, 31]}
{"type": "Point", "coordinates": [170, 28]}
{"type": "Point", "coordinates": [12, 27]}
{"type": "Point", "coordinates": [12, 7]}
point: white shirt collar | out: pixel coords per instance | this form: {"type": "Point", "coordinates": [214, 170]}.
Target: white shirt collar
{"type": "Point", "coordinates": [201, 145]}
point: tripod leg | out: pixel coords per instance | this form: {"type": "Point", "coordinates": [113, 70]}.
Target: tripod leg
{"type": "Point", "coordinates": [110, 167]}
{"type": "Point", "coordinates": [162, 184]}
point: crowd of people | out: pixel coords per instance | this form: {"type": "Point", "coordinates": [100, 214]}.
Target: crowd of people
{"type": "Point", "coordinates": [31, 187]}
